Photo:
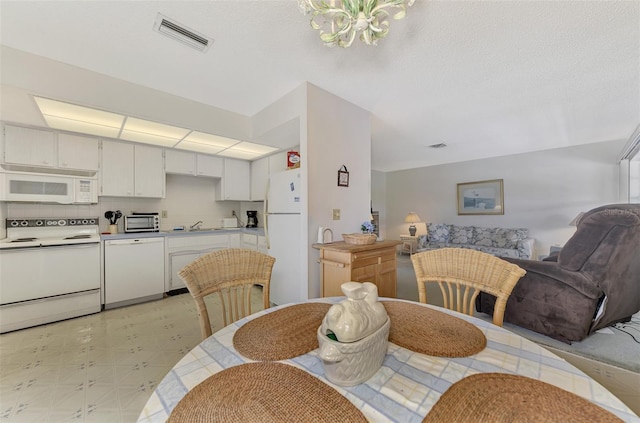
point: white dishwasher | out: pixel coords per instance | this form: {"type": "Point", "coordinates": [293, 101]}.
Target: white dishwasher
{"type": "Point", "coordinates": [133, 270]}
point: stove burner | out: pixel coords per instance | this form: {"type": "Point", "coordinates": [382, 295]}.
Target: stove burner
{"type": "Point", "coordinates": [24, 239]}
{"type": "Point", "coordinates": [82, 236]}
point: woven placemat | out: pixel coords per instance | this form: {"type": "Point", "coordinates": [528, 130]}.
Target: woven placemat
{"type": "Point", "coordinates": [264, 392]}
{"type": "Point", "coordinates": [427, 331]}
{"type": "Point", "coordinates": [281, 334]}
{"type": "Point", "coordinates": [500, 397]}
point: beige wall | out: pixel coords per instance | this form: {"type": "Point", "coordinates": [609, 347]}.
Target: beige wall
{"type": "Point", "coordinates": [543, 191]}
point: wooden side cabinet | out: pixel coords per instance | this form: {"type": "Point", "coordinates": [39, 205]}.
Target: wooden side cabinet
{"type": "Point", "coordinates": [341, 262]}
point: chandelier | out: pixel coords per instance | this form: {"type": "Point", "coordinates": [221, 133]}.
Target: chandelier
{"type": "Point", "coordinates": [340, 20]}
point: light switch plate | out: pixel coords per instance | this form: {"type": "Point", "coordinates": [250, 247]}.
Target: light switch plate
{"type": "Point", "coordinates": [164, 214]}
{"type": "Point", "coordinates": [336, 214]}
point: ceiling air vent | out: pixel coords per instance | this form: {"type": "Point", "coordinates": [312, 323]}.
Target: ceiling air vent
{"type": "Point", "coordinates": [441, 145]}
{"type": "Point", "coordinates": [179, 32]}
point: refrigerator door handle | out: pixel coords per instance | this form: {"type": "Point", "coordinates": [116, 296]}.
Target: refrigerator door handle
{"type": "Point", "coordinates": [265, 213]}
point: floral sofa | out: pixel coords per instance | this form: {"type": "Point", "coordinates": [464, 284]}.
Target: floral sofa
{"type": "Point", "coordinates": [501, 242]}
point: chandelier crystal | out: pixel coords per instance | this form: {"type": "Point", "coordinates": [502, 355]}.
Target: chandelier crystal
{"type": "Point", "coordinates": [340, 20]}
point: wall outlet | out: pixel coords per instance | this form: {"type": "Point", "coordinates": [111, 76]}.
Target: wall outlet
{"type": "Point", "coordinates": [336, 214]}
{"type": "Point", "coordinates": [233, 212]}
{"type": "Point", "coordinates": [165, 214]}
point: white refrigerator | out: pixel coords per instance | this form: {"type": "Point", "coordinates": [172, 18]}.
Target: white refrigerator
{"type": "Point", "coordinates": [283, 231]}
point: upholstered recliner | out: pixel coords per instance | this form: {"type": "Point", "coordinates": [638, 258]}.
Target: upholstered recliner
{"type": "Point", "coordinates": [593, 282]}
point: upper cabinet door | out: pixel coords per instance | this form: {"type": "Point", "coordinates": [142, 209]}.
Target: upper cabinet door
{"type": "Point", "coordinates": [259, 178]}
{"type": "Point", "coordinates": [180, 162]}
{"type": "Point", "coordinates": [116, 169]}
{"type": "Point", "coordinates": [210, 166]}
{"type": "Point", "coordinates": [149, 172]}
{"type": "Point", "coordinates": [77, 152]}
{"type": "Point", "coordinates": [235, 182]}
{"type": "Point", "coordinates": [31, 147]}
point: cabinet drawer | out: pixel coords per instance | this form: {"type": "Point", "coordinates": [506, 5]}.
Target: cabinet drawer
{"type": "Point", "coordinates": [369, 258]}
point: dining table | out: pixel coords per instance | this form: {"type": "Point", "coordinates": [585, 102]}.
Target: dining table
{"type": "Point", "coordinates": [440, 365]}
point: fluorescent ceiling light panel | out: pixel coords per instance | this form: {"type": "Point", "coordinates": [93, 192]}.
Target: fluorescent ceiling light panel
{"type": "Point", "coordinates": [85, 120]}
{"type": "Point", "coordinates": [238, 154]}
{"type": "Point", "coordinates": [71, 117]}
{"type": "Point", "coordinates": [148, 132]}
{"type": "Point", "coordinates": [247, 150]}
{"type": "Point", "coordinates": [253, 148]}
{"type": "Point", "coordinates": [199, 147]}
{"type": "Point", "coordinates": [81, 127]}
{"type": "Point", "coordinates": [209, 139]}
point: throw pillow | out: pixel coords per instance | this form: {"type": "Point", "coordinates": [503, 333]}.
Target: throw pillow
{"type": "Point", "coordinates": [438, 232]}
{"type": "Point", "coordinates": [461, 234]}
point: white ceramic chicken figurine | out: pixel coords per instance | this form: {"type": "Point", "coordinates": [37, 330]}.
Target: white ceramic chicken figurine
{"type": "Point", "coordinates": [356, 317]}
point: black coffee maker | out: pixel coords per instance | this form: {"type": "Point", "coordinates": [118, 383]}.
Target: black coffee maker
{"type": "Point", "coordinates": [252, 218]}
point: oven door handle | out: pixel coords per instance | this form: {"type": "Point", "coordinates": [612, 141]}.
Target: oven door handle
{"type": "Point", "coordinates": [57, 246]}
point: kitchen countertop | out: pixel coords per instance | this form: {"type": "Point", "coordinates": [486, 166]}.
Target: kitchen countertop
{"type": "Point", "coordinates": [171, 233]}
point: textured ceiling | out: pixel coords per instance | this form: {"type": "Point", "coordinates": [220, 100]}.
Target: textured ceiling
{"type": "Point", "coordinates": [488, 78]}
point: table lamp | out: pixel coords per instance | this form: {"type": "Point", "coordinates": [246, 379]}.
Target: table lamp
{"type": "Point", "coordinates": [412, 218]}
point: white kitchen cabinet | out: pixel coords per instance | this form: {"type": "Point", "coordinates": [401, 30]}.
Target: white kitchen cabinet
{"type": "Point", "coordinates": [116, 169]}
{"type": "Point", "coordinates": [78, 153]}
{"type": "Point", "coordinates": [182, 250]}
{"type": "Point", "coordinates": [262, 244]}
{"type": "Point", "coordinates": [235, 184]}
{"type": "Point", "coordinates": [186, 163]}
{"type": "Point", "coordinates": [278, 162]}
{"type": "Point", "coordinates": [250, 241]}
{"type": "Point", "coordinates": [234, 240]}
{"type": "Point", "coordinates": [149, 177]}
{"type": "Point", "coordinates": [259, 178]}
{"type": "Point", "coordinates": [29, 147]}
{"type": "Point", "coordinates": [209, 166]}
{"type": "Point", "coordinates": [254, 242]}
{"type": "Point", "coordinates": [129, 170]}
{"type": "Point", "coordinates": [180, 162]}
{"type": "Point", "coordinates": [133, 270]}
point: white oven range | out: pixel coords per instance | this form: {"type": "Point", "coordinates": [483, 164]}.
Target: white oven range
{"type": "Point", "coordinates": [49, 271]}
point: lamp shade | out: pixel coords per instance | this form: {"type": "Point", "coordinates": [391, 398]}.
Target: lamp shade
{"type": "Point", "coordinates": [412, 218]}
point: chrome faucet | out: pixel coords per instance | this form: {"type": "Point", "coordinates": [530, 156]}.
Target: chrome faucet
{"type": "Point", "coordinates": [196, 225]}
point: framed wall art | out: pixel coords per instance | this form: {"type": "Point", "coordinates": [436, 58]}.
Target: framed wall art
{"type": "Point", "coordinates": [481, 197]}
{"type": "Point", "coordinates": [343, 177]}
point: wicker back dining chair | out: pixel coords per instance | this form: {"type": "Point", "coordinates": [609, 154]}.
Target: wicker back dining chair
{"type": "Point", "coordinates": [231, 273]}
{"type": "Point", "coordinates": [462, 274]}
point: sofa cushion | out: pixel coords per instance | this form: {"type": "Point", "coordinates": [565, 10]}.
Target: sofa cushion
{"type": "Point", "coordinates": [438, 232]}
{"type": "Point", "coordinates": [483, 236]}
{"type": "Point", "coordinates": [461, 234]}
{"type": "Point", "coordinates": [508, 238]}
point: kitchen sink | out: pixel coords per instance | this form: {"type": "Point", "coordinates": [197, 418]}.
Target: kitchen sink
{"type": "Point", "coordinates": [201, 229]}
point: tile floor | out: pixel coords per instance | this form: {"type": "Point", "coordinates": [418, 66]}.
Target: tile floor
{"type": "Point", "coordinates": [98, 368]}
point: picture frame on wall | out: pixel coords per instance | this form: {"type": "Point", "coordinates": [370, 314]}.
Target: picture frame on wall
{"type": "Point", "coordinates": [343, 177]}
{"type": "Point", "coordinates": [481, 197]}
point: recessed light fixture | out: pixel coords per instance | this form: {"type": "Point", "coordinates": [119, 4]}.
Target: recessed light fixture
{"type": "Point", "coordinates": [86, 120]}
{"type": "Point", "coordinates": [440, 145]}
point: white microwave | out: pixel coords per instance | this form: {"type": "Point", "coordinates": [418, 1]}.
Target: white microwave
{"type": "Point", "coordinates": [48, 188]}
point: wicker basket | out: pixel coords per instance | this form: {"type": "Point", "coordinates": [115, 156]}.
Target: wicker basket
{"type": "Point", "coordinates": [359, 239]}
